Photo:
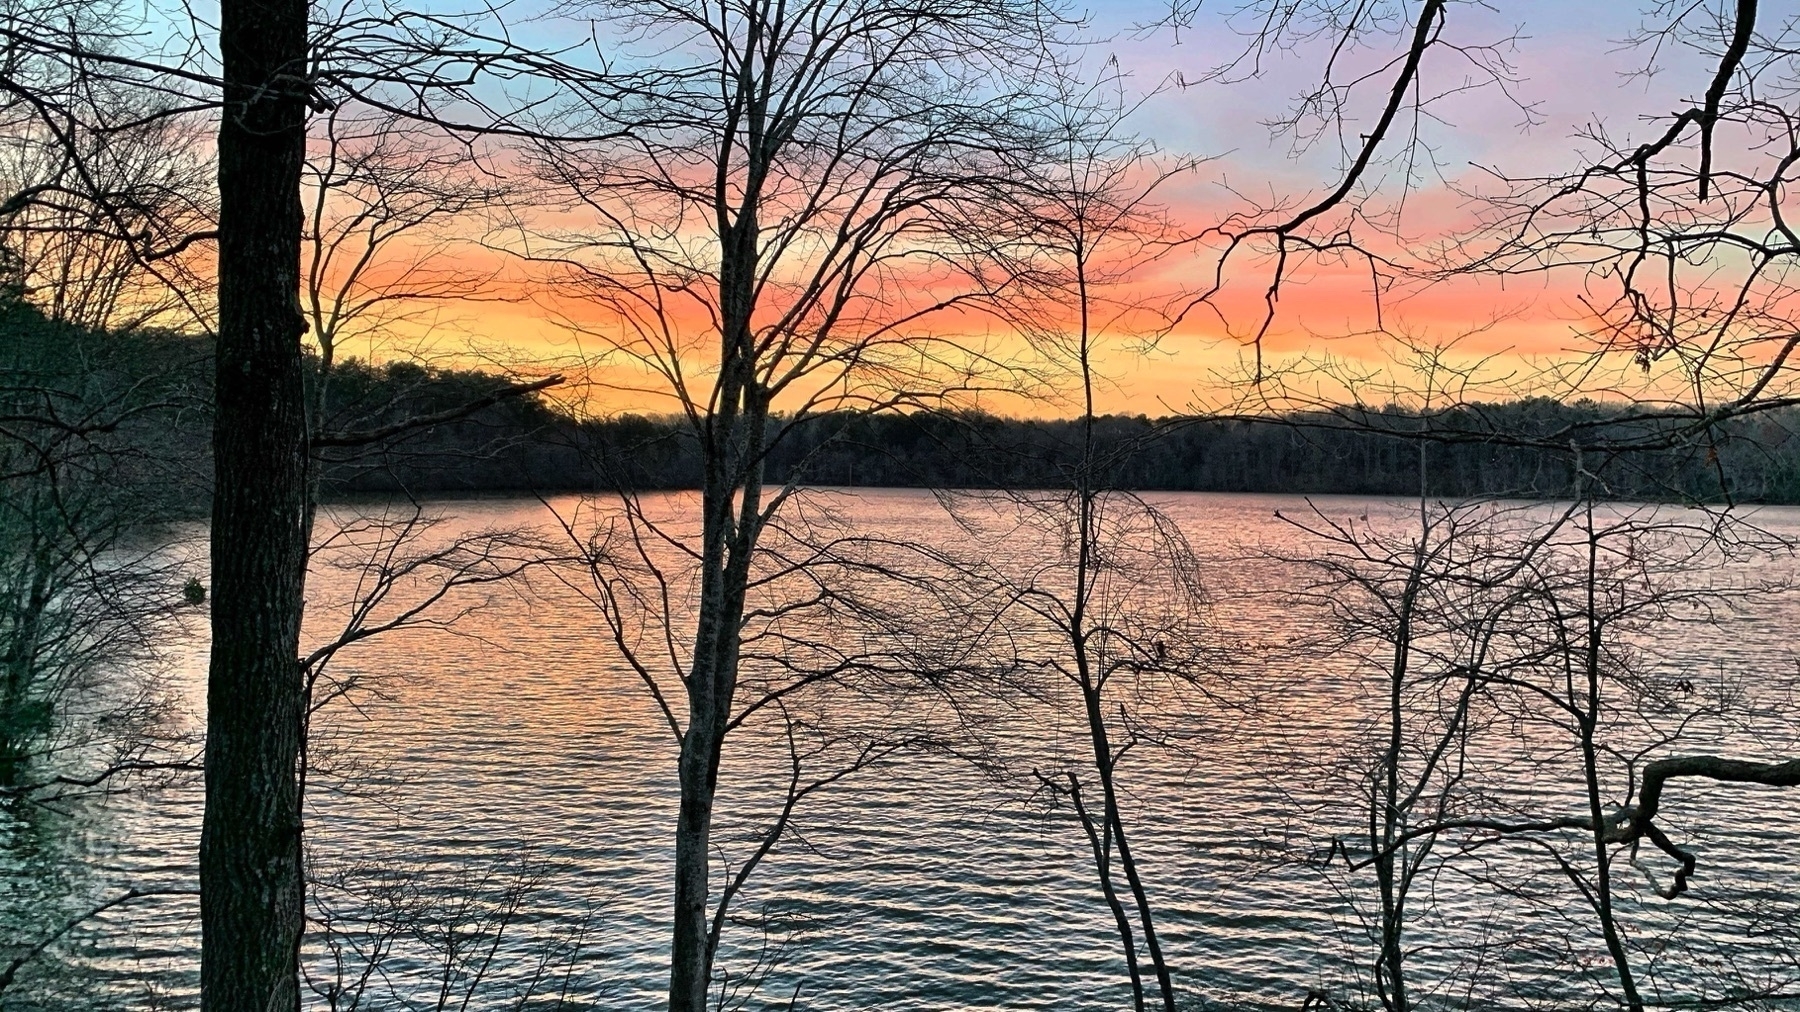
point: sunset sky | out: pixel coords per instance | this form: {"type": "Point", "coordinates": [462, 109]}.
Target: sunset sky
{"type": "Point", "coordinates": [1566, 62]}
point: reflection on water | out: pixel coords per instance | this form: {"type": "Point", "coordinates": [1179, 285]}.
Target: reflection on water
{"type": "Point", "coordinates": [510, 778]}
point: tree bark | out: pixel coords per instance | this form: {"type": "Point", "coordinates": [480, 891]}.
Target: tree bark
{"type": "Point", "coordinates": [1636, 823]}
{"type": "Point", "coordinates": [712, 687]}
{"type": "Point", "coordinates": [1736, 771]}
{"type": "Point", "coordinates": [250, 860]}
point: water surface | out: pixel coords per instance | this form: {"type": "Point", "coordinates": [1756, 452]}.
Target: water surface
{"type": "Point", "coordinates": [513, 754]}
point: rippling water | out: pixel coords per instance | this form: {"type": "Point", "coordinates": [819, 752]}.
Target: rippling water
{"type": "Point", "coordinates": [512, 758]}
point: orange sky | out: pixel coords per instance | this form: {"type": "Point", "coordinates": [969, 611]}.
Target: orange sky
{"type": "Point", "coordinates": [1571, 68]}
{"type": "Point", "coordinates": [1320, 315]}
{"type": "Point", "coordinates": [1321, 312]}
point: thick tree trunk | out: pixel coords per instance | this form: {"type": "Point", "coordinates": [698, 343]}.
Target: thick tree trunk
{"type": "Point", "coordinates": [250, 865]}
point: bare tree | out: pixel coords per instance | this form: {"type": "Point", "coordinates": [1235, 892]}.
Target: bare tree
{"type": "Point", "coordinates": [1678, 246]}
{"type": "Point", "coordinates": [251, 872]}
{"type": "Point", "coordinates": [401, 940]}
{"type": "Point", "coordinates": [378, 185]}
{"type": "Point", "coordinates": [1410, 59]}
{"type": "Point", "coordinates": [1435, 613]}
{"type": "Point", "coordinates": [107, 200]}
{"type": "Point", "coordinates": [1511, 683]}
{"type": "Point", "coordinates": [1680, 240]}
{"type": "Point", "coordinates": [107, 260]}
{"type": "Point", "coordinates": [1117, 587]}
{"type": "Point", "coordinates": [86, 472]}
{"type": "Point", "coordinates": [771, 240]}
{"type": "Point", "coordinates": [386, 199]}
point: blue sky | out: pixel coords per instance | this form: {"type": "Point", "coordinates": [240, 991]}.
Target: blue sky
{"type": "Point", "coordinates": [1571, 61]}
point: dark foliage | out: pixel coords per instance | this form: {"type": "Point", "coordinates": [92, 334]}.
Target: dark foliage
{"type": "Point", "coordinates": [530, 443]}
{"type": "Point", "coordinates": [1754, 460]}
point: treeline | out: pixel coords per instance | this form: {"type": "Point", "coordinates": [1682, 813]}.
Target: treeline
{"type": "Point", "coordinates": [89, 415]}
{"type": "Point", "coordinates": [530, 442]}
{"type": "Point", "coordinates": [1476, 450]}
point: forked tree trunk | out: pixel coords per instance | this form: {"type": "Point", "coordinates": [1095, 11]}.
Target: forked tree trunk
{"type": "Point", "coordinates": [731, 500]}
{"type": "Point", "coordinates": [250, 866]}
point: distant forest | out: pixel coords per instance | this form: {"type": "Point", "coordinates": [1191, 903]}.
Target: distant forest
{"type": "Point", "coordinates": [529, 442]}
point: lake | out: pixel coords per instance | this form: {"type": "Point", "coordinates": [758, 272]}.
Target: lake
{"type": "Point", "coordinates": [508, 771]}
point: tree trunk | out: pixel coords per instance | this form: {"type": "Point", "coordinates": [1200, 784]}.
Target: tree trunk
{"type": "Point", "coordinates": [1589, 725]}
{"type": "Point", "coordinates": [690, 955]}
{"type": "Point", "coordinates": [712, 685]}
{"type": "Point", "coordinates": [250, 865]}
{"type": "Point", "coordinates": [20, 659]}
{"type": "Point", "coordinates": [731, 498]}
{"type": "Point", "coordinates": [1098, 839]}
{"type": "Point", "coordinates": [711, 688]}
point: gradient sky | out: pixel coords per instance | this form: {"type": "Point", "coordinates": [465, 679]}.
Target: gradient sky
{"type": "Point", "coordinates": [1568, 64]}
